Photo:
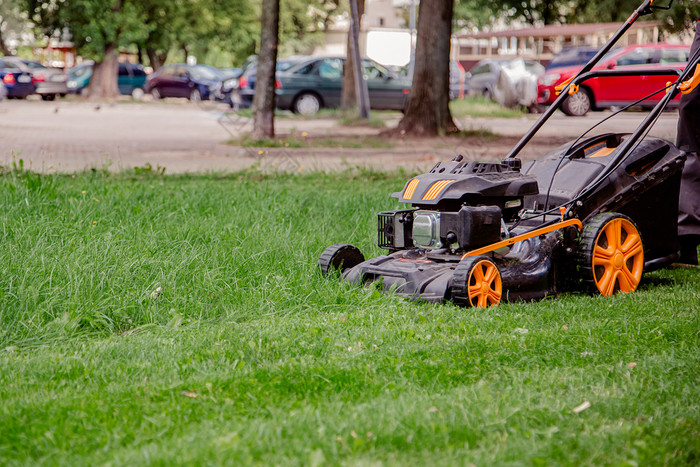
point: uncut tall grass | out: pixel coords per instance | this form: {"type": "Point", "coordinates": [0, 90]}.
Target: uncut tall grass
{"type": "Point", "coordinates": [85, 255]}
{"type": "Point", "coordinates": [158, 320]}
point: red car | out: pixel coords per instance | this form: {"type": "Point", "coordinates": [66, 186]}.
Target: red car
{"type": "Point", "coordinates": [599, 93]}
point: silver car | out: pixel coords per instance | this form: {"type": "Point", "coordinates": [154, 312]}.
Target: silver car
{"type": "Point", "coordinates": [50, 82]}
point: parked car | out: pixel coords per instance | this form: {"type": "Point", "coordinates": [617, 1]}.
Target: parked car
{"type": "Point", "coordinates": [195, 82]}
{"type": "Point", "coordinates": [78, 77]}
{"type": "Point", "coordinates": [228, 73]}
{"type": "Point", "coordinates": [229, 82]}
{"type": "Point", "coordinates": [50, 82]}
{"type": "Point", "coordinates": [243, 98]}
{"type": "Point", "coordinates": [571, 56]}
{"type": "Point", "coordinates": [517, 84]}
{"type": "Point", "coordinates": [484, 75]}
{"type": "Point", "coordinates": [600, 93]}
{"type": "Point", "coordinates": [317, 82]}
{"type": "Point", "coordinates": [459, 80]}
{"type": "Point", "coordinates": [18, 83]}
{"type": "Point", "coordinates": [131, 78]}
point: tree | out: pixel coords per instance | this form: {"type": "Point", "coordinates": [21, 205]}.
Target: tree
{"type": "Point", "coordinates": [428, 111]}
{"type": "Point", "coordinates": [201, 28]}
{"type": "Point", "coordinates": [12, 23]}
{"type": "Point", "coordinates": [302, 23]}
{"type": "Point", "coordinates": [681, 17]}
{"type": "Point", "coordinates": [543, 12]}
{"type": "Point", "coordinates": [348, 100]}
{"type": "Point", "coordinates": [264, 100]}
{"type": "Point", "coordinates": [100, 28]}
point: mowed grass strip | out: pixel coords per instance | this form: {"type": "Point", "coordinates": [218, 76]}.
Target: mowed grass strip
{"type": "Point", "coordinates": [150, 319]}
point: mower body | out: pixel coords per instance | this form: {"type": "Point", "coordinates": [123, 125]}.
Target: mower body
{"type": "Point", "coordinates": [460, 206]}
{"type": "Point", "coordinates": [594, 213]}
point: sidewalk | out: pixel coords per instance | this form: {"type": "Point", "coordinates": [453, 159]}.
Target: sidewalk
{"type": "Point", "coordinates": [184, 137]}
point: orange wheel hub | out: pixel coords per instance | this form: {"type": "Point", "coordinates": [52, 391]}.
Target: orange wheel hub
{"type": "Point", "coordinates": [485, 287]}
{"type": "Point", "coordinates": [618, 258]}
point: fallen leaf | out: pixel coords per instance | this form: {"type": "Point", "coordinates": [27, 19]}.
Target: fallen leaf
{"type": "Point", "coordinates": [433, 409]}
{"type": "Point", "coordinates": [156, 292]}
{"type": "Point", "coordinates": [632, 364]}
{"type": "Point", "coordinates": [582, 407]}
{"type": "Point", "coordinates": [189, 394]}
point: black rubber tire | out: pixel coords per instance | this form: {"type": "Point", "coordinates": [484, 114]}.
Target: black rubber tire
{"type": "Point", "coordinates": [579, 104]}
{"type": "Point", "coordinates": [586, 246]}
{"type": "Point", "coordinates": [463, 275]}
{"type": "Point", "coordinates": [340, 256]}
{"type": "Point", "coordinates": [195, 95]}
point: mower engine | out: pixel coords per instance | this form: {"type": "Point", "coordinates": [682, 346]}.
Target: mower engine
{"type": "Point", "coordinates": [458, 206]}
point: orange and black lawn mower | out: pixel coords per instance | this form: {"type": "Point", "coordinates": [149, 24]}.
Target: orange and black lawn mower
{"type": "Point", "coordinates": [594, 213]}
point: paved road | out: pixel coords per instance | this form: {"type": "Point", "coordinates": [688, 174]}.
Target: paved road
{"type": "Point", "coordinates": [71, 136]}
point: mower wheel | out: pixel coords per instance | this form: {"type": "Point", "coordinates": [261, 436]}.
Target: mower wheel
{"type": "Point", "coordinates": [578, 104]}
{"type": "Point", "coordinates": [611, 254]}
{"type": "Point", "coordinates": [339, 256]}
{"type": "Point", "coordinates": [477, 282]}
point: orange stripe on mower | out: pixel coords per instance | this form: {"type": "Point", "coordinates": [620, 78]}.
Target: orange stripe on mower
{"type": "Point", "coordinates": [436, 189]}
{"type": "Point", "coordinates": [410, 189]}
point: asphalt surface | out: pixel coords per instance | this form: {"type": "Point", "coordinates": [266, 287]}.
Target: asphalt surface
{"type": "Point", "coordinates": [183, 137]}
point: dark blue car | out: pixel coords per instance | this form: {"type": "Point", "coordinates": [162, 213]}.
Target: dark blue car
{"type": "Point", "coordinates": [19, 84]}
{"type": "Point", "coordinates": [195, 82]}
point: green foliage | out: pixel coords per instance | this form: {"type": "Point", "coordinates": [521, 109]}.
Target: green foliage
{"type": "Point", "coordinates": [303, 22]}
{"type": "Point", "coordinates": [13, 23]}
{"type": "Point", "coordinates": [99, 24]}
{"type": "Point", "coordinates": [679, 18]}
{"type": "Point", "coordinates": [479, 13]}
{"type": "Point", "coordinates": [157, 320]}
{"type": "Point", "coordinates": [94, 25]}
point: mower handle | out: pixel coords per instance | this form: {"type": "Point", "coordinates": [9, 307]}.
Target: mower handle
{"type": "Point", "coordinates": [638, 72]}
{"type": "Point", "coordinates": [644, 9]}
{"type": "Point", "coordinates": [640, 132]}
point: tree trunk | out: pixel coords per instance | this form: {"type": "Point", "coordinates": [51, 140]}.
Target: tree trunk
{"type": "Point", "coordinates": [103, 83]}
{"type": "Point", "coordinates": [157, 60]}
{"type": "Point", "coordinates": [3, 47]}
{"type": "Point", "coordinates": [264, 100]}
{"type": "Point", "coordinates": [348, 100]}
{"type": "Point", "coordinates": [428, 110]}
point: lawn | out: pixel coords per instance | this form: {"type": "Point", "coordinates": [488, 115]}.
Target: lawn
{"type": "Point", "coordinates": [158, 320]}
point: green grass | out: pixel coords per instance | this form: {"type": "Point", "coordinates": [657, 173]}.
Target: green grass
{"type": "Point", "coordinates": [246, 355]}
{"type": "Point", "coordinates": [478, 106]}
{"type": "Point", "coordinates": [377, 117]}
{"type": "Point", "coordinates": [286, 114]}
{"type": "Point", "coordinates": [302, 141]}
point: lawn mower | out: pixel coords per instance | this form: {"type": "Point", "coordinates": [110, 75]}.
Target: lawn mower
{"type": "Point", "coordinates": [594, 213]}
